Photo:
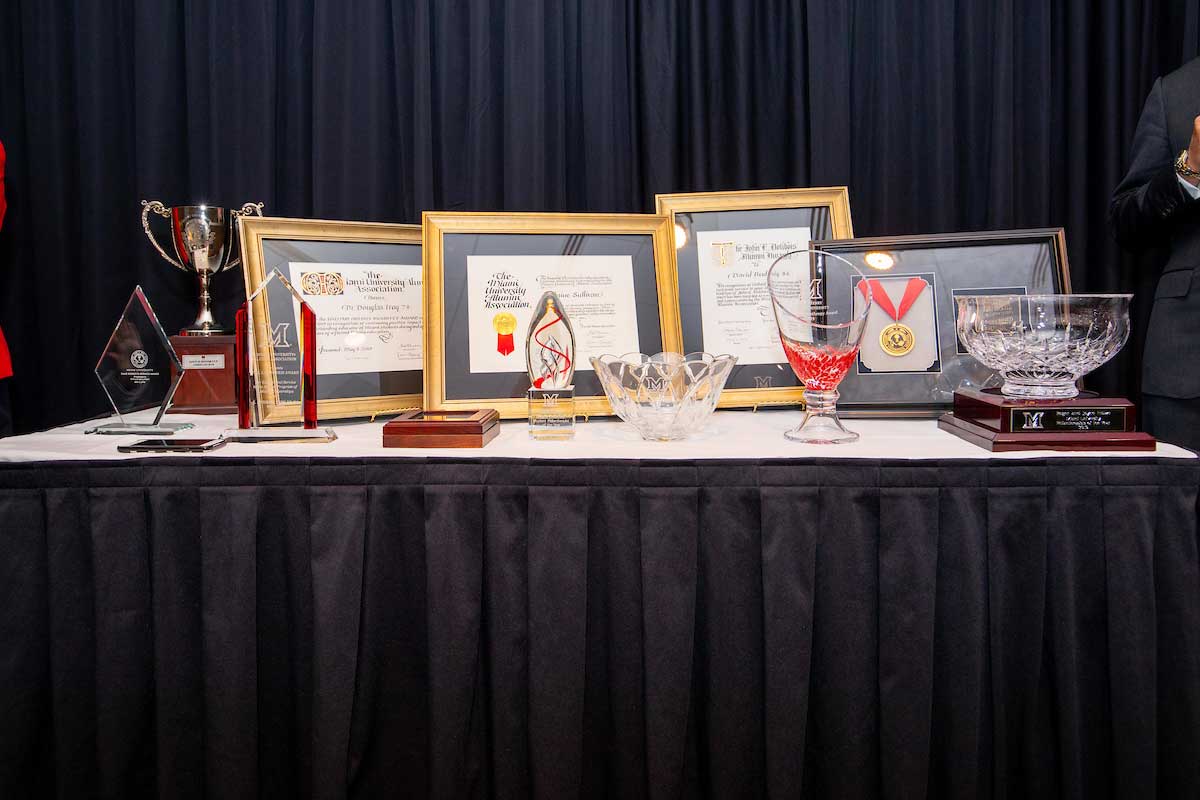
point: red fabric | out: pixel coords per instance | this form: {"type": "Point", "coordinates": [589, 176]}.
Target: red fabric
{"type": "Point", "coordinates": [5, 360]}
{"type": "Point", "coordinates": [912, 290]}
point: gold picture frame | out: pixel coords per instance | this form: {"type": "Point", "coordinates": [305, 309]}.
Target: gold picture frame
{"type": "Point", "coordinates": [438, 224]}
{"type": "Point", "coordinates": [256, 234]}
{"type": "Point", "coordinates": [835, 200]}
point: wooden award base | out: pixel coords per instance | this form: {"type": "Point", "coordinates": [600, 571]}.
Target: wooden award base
{"type": "Point", "coordinates": [1005, 424]}
{"type": "Point", "coordinates": [442, 428]}
{"type": "Point", "coordinates": [208, 385]}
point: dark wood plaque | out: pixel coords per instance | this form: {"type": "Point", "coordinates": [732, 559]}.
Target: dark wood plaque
{"type": "Point", "coordinates": [208, 378]}
{"type": "Point", "coordinates": [458, 428]}
{"type": "Point", "coordinates": [1005, 424]}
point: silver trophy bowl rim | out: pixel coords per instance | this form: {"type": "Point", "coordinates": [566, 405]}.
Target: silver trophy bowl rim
{"type": "Point", "coordinates": [1063, 296]}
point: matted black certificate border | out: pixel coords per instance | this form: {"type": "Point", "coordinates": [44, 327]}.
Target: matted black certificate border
{"type": "Point", "coordinates": [872, 395]}
{"type": "Point", "coordinates": [451, 238]}
{"type": "Point", "coordinates": [272, 242]}
{"type": "Point", "coordinates": [824, 210]}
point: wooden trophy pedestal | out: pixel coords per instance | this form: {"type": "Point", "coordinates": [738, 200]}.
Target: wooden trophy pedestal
{"type": "Point", "coordinates": [1006, 424]}
{"type": "Point", "coordinates": [208, 385]}
{"type": "Point", "coordinates": [442, 429]}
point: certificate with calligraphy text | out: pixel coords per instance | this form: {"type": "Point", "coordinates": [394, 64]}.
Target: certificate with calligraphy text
{"type": "Point", "coordinates": [363, 283]}
{"type": "Point", "coordinates": [596, 292]}
{"type": "Point", "coordinates": [725, 243]}
{"type": "Point", "coordinates": [735, 310]}
{"type": "Point", "coordinates": [370, 315]}
{"type": "Point", "coordinates": [486, 272]}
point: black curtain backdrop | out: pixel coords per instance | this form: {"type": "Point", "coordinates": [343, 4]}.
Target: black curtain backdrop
{"type": "Point", "coordinates": [939, 115]}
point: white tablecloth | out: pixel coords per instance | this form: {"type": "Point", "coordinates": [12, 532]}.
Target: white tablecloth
{"type": "Point", "coordinates": [728, 434]}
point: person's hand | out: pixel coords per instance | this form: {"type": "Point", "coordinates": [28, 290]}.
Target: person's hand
{"type": "Point", "coordinates": [1193, 156]}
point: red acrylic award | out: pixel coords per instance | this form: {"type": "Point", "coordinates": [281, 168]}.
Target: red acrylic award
{"type": "Point", "coordinates": [276, 354]}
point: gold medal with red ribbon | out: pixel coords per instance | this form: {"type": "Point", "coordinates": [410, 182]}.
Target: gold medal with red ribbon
{"type": "Point", "coordinates": [504, 323]}
{"type": "Point", "coordinates": [896, 339]}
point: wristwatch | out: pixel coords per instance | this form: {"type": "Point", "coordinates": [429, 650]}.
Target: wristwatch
{"type": "Point", "coordinates": [1182, 168]}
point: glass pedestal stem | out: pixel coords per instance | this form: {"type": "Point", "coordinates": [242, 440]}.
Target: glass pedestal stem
{"type": "Point", "coordinates": [821, 424]}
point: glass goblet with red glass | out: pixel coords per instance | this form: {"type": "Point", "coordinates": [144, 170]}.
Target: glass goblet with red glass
{"type": "Point", "coordinates": [820, 337]}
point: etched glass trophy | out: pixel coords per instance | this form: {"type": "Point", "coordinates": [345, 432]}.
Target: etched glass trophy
{"type": "Point", "coordinates": [820, 338]}
{"type": "Point", "coordinates": [135, 371]}
{"type": "Point", "coordinates": [276, 355]}
{"type": "Point", "coordinates": [1043, 345]}
{"type": "Point", "coordinates": [550, 359]}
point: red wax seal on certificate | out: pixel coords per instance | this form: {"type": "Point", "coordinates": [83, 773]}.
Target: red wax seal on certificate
{"type": "Point", "coordinates": [504, 323]}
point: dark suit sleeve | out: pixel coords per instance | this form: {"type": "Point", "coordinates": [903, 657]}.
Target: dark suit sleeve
{"type": "Point", "coordinates": [1143, 205]}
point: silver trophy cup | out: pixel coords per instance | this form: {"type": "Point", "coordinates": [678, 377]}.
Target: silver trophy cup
{"type": "Point", "coordinates": [204, 242]}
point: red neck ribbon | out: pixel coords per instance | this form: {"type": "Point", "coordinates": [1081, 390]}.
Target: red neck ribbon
{"type": "Point", "coordinates": [912, 290]}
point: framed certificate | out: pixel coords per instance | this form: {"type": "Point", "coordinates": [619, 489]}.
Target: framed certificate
{"type": "Point", "coordinates": [911, 360]}
{"type": "Point", "coordinates": [724, 244]}
{"type": "Point", "coordinates": [363, 281]}
{"type": "Point", "coordinates": [484, 274]}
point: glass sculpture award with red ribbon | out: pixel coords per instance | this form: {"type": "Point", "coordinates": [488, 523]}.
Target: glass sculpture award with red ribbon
{"type": "Point", "coordinates": [550, 360]}
{"type": "Point", "coordinates": [276, 355]}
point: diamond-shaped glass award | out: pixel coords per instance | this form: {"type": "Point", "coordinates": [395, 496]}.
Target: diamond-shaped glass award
{"type": "Point", "coordinates": [276, 354]}
{"type": "Point", "coordinates": [135, 371]}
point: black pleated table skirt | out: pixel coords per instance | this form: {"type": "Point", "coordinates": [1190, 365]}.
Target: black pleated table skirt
{"type": "Point", "coordinates": [236, 628]}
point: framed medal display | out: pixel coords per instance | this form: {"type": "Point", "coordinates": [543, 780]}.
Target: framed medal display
{"type": "Point", "coordinates": [484, 274]}
{"type": "Point", "coordinates": [363, 282]}
{"type": "Point", "coordinates": [911, 360]}
{"type": "Point", "coordinates": [724, 244]}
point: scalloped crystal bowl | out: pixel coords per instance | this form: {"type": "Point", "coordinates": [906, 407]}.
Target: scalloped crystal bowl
{"type": "Point", "coordinates": [1043, 344]}
{"type": "Point", "coordinates": [665, 396]}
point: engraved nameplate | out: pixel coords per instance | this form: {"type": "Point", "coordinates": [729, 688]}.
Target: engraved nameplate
{"type": "Point", "coordinates": [1068, 419]}
{"type": "Point", "coordinates": [204, 361]}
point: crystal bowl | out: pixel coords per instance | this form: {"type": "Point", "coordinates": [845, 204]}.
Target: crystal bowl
{"type": "Point", "coordinates": [1043, 344]}
{"type": "Point", "coordinates": [665, 396]}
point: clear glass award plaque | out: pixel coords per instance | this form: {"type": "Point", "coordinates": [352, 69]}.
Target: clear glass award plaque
{"type": "Point", "coordinates": [550, 360]}
{"type": "Point", "coordinates": [276, 355]}
{"type": "Point", "coordinates": [135, 371]}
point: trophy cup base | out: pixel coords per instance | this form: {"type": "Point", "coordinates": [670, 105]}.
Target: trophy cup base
{"type": "Point", "coordinates": [140, 429]}
{"type": "Point", "coordinates": [552, 414]}
{"type": "Point", "coordinates": [208, 385]}
{"type": "Point", "coordinates": [280, 435]}
{"type": "Point", "coordinates": [1003, 424]}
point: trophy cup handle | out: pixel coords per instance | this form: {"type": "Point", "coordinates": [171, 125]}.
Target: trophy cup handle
{"type": "Point", "coordinates": [156, 207]}
{"type": "Point", "coordinates": [247, 210]}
